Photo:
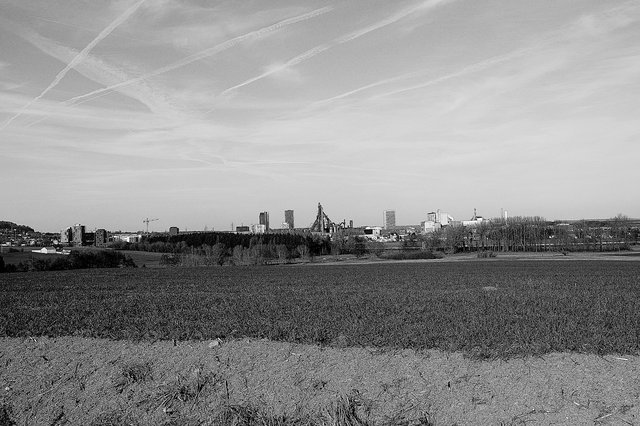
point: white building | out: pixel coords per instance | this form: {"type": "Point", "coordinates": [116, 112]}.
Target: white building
{"type": "Point", "coordinates": [440, 217]}
{"type": "Point", "coordinates": [373, 232]}
{"type": "Point", "coordinates": [127, 238]}
{"type": "Point", "coordinates": [429, 226]}
{"type": "Point", "coordinates": [45, 250]}
{"type": "Point", "coordinates": [474, 221]}
{"type": "Point", "coordinates": [51, 250]}
{"type": "Point", "coordinates": [258, 228]}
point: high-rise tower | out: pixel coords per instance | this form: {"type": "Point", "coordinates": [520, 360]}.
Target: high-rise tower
{"type": "Point", "coordinates": [389, 219]}
{"type": "Point", "coordinates": [264, 220]}
{"type": "Point", "coordinates": [288, 218]}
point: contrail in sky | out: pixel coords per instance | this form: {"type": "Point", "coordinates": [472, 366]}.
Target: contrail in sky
{"type": "Point", "coordinates": [291, 62]}
{"type": "Point", "coordinates": [478, 66]}
{"type": "Point", "coordinates": [206, 53]}
{"type": "Point", "coordinates": [340, 40]}
{"type": "Point", "coordinates": [79, 58]}
{"type": "Point", "coordinates": [367, 87]}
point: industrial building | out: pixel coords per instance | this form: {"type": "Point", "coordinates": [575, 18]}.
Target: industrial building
{"type": "Point", "coordinates": [436, 220]}
{"type": "Point", "coordinates": [474, 221]}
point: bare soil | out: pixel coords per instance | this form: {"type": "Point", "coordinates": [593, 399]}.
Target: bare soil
{"type": "Point", "coordinates": [73, 380]}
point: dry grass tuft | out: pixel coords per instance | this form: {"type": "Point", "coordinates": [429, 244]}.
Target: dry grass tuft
{"type": "Point", "coordinates": [186, 389]}
{"type": "Point", "coordinates": [114, 419]}
{"type": "Point", "coordinates": [348, 412]}
{"type": "Point", "coordinates": [237, 415]}
{"type": "Point", "coordinates": [137, 372]}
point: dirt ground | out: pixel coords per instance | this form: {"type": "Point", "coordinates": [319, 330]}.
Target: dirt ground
{"type": "Point", "coordinates": [73, 380]}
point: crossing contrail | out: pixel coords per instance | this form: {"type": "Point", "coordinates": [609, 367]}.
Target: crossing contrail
{"type": "Point", "coordinates": [340, 40]}
{"type": "Point", "coordinates": [290, 63]}
{"type": "Point", "coordinates": [79, 58]}
{"type": "Point", "coordinates": [257, 34]}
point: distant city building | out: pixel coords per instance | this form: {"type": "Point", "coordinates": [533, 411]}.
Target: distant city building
{"type": "Point", "coordinates": [174, 230]}
{"type": "Point", "coordinates": [66, 236]}
{"type": "Point", "coordinates": [74, 235]}
{"type": "Point", "coordinates": [373, 232]}
{"type": "Point", "coordinates": [350, 223]}
{"type": "Point", "coordinates": [444, 219]}
{"type": "Point", "coordinates": [127, 238]}
{"type": "Point", "coordinates": [101, 238]}
{"type": "Point", "coordinates": [288, 218]}
{"type": "Point", "coordinates": [78, 235]}
{"type": "Point", "coordinates": [429, 226]}
{"type": "Point", "coordinates": [258, 229]}
{"type": "Point", "coordinates": [264, 220]}
{"type": "Point", "coordinates": [475, 220]}
{"type": "Point", "coordinates": [242, 229]}
{"type": "Point", "coordinates": [436, 220]}
{"type": "Point", "coordinates": [389, 219]}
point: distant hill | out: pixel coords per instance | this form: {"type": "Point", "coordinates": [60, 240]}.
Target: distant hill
{"type": "Point", "coordinates": [5, 225]}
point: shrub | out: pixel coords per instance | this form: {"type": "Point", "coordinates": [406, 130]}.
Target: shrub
{"type": "Point", "coordinates": [409, 255]}
{"type": "Point", "coordinates": [486, 254]}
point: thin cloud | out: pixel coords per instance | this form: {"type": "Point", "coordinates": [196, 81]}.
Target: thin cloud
{"type": "Point", "coordinates": [98, 71]}
{"type": "Point", "coordinates": [604, 22]}
{"type": "Point", "coordinates": [253, 35]}
{"type": "Point", "coordinates": [470, 69]}
{"type": "Point", "coordinates": [273, 70]}
{"type": "Point", "coordinates": [305, 56]}
{"type": "Point", "coordinates": [430, 4]}
{"type": "Point", "coordinates": [378, 83]}
{"type": "Point", "coordinates": [79, 58]}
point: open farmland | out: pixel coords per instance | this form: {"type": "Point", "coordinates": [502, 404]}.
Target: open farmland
{"type": "Point", "coordinates": [483, 309]}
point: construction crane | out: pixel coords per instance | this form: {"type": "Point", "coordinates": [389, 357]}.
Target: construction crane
{"type": "Point", "coordinates": [147, 220]}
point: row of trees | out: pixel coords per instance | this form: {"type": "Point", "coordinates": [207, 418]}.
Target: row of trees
{"type": "Point", "coordinates": [208, 249]}
{"type": "Point", "coordinates": [219, 254]}
{"type": "Point", "coordinates": [515, 234]}
{"type": "Point", "coordinates": [534, 234]}
{"type": "Point", "coordinates": [75, 260]}
{"type": "Point", "coordinates": [186, 243]}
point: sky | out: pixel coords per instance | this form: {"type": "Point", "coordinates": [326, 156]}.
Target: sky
{"type": "Point", "coordinates": [205, 113]}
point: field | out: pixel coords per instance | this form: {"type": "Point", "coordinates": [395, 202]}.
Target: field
{"type": "Point", "coordinates": [417, 343]}
{"type": "Point", "coordinates": [483, 309]}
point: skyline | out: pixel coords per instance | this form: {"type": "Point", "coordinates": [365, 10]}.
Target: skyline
{"type": "Point", "coordinates": [206, 115]}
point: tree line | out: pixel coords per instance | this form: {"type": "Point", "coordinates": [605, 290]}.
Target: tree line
{"type": "Point", "coordinates": [534, 233]}
{"type": "Point", "coordinates": [218, 248]}
{"type": "Point", "coordinates": [75, 260]}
